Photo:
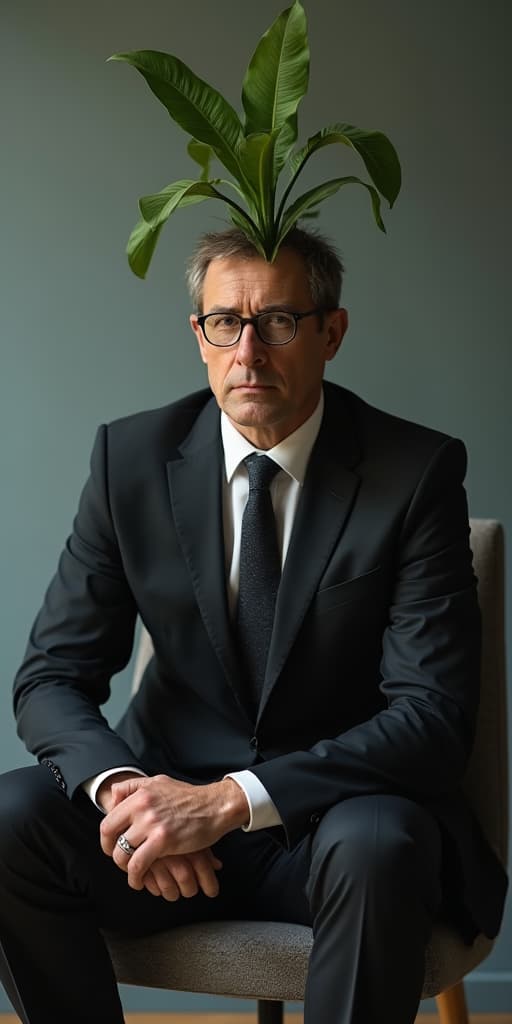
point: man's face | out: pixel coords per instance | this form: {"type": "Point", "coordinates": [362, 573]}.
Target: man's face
{"type": "Point", "coordinates": [266, 391]}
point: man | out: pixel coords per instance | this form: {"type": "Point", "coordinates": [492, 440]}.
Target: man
{"type": "Point", "coordinates": [293, 755]}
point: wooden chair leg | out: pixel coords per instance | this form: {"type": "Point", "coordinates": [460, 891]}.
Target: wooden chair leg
{"type": "Point", "coordinates": [270, 1011]}
{"type": "Point", "coordinates": [451, 1005]}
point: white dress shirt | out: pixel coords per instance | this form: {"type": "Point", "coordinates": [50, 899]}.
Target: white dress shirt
{"type": "Point", "coordinates": [292, 456]}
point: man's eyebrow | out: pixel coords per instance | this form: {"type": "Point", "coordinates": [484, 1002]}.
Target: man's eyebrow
{"type": "Point", "coordinates": [278, 307]}
{"type": "Point", "coordinates": [275, 307]}
{"type": "Point", "coordinates": [223, 309]}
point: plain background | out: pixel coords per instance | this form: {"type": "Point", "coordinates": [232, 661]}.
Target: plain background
{"type": "Point", "coordinates": [83, 341]}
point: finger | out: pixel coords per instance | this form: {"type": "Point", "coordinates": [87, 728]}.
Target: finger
{"type": "Point", "coordinates": [123, 850]}
{"type": "Point", "coordinates": [205, 874]}
{"type": "Point", "coordinates": [163, 882]}
{"type": "Point", "coordinates": [184, 875]}
{"type": "Point", "coordinates": [104, 795]}
{"type": "Point", "coordinates": [114, 824]}
{"type": "Point", "coordinates": [117, 822]}
{"type": "Point", "coordinates": [152, 849]}
{"type": "Point", "coordinates": [135, 805]}
{"type": "Point", "coordinates": [214, 860]}
{"type": "Point", "coordinates": [151, 884]}
{"type": "Point", "coordinates": [118, 793]}
{"type": "Point", "coordinates": [123, 788]}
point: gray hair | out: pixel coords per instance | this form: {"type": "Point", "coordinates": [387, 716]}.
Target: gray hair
{"type": "Point", "coordinates": [321, 260]}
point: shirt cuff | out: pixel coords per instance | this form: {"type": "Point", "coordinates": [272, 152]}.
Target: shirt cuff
{"type": "Point", "coordinates": [92, 785]}
{"type": "Point", "coordinates": [262, 810]}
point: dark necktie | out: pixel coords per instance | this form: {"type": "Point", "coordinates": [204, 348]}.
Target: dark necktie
{"type": "Point", "coordinates": [260, 573]}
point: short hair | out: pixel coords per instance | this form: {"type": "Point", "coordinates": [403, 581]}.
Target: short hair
{"type": "Point", "coordinates": [323, 264]}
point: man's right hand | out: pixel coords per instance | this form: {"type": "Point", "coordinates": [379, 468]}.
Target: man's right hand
{"type": "Point", "coordinates": [176, 874]}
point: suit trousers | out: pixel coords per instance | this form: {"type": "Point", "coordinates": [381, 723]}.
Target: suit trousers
{"type": "Point", "coordinates": [367, 879]}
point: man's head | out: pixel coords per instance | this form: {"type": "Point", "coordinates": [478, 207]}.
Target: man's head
{"type": "Point", "coordinates": [267, 390]}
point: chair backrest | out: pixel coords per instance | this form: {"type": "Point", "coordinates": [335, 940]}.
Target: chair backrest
{"type": "Point", "coordinates": [142, 657]}
{"type": "Point", "coordinates": [485, 784]}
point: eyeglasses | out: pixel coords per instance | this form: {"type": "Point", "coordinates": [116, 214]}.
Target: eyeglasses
{"type": "Point", "coordinates": [274, 328]}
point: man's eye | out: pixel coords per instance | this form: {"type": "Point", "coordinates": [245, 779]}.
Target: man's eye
{"type": "Point", "coordinates": [277, 319]}
{"type": "Point", "coordinates": [224, 320]}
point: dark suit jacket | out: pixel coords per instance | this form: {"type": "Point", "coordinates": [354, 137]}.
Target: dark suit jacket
{"type": "Point", "coordinates": [373, 672]}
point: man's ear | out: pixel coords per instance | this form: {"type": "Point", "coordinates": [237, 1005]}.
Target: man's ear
{"type": "Point", "coordinates": [337, 326]}
{"type": "Point", "coordinates": [203, 348]}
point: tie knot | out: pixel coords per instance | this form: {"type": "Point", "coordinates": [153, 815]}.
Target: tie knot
{"type": "Point", "coordinates": [261, 470]}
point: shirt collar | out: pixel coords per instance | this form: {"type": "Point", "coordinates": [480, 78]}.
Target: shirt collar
{"type": "Point", "coordinates": [291, 454]}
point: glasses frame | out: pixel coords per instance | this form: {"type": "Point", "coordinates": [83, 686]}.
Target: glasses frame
{"type": "Point", "coordinates": [254, 321]}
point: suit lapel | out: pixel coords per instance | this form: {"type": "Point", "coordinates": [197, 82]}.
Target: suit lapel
{"type": "Point", "coordinates": [195, 485]}
{"type": "Point", "coordinates": [329, 490]}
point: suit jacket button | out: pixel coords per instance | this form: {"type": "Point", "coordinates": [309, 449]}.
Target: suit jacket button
{"type": "Point", "coordinates": [253, 743]}
{"type": "Point", "coordinates": [314, 819]}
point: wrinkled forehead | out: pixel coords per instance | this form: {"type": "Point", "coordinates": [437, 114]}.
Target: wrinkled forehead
{"type": "Point", "coordinates": [240, 283]}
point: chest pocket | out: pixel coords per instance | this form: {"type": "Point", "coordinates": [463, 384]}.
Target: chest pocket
{"type": "Point", "coordinates": [359, 588]}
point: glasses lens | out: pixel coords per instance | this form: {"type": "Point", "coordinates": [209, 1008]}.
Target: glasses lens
{"type": "Point", "coordinates": [222, 328]}
{"type": "Point", "coordinates": [276, 328]}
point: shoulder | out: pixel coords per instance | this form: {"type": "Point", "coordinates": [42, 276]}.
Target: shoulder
{"type": "Point", "coordinates": [161, 430]}
{"type": "Point", "coordinates": [391, 443]}
{"type": "Point", "coordinates": [133, 447]}
{"type": "Point", "coordinates": [176, 417]}
{"type": "Point", "coordinates": [369, 420]}
{"type": "Point", "coordinates": [376, 427]}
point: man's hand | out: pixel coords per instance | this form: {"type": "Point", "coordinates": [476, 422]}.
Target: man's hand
{"type": "Point", "coordinates": [184, 875]}
{"type": "Point", "coordinates": [163, 818]}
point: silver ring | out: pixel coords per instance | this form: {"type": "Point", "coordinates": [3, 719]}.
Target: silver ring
{"type": "Point", "coordinates": [125, 845]}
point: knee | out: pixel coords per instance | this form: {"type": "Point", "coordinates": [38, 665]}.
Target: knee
{"type": "Point", "coordinates": [27, 796]}
{"type": "Point", "coordinates": [384, 841]}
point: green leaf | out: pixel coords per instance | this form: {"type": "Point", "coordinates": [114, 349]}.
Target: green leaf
{"type": "Point", "coordinates": [277, 79]}
{"type": "Point", "coordinates": [202, 155]}
{"type": "Point", "coordinates": [316, 195]}
{"type": "Point", "coordinates": [193, 104]}
{"type": "Point", "coordinates": [274, 84]}
{"type": "Point", "coordinates": [256, 155]}
{"type": "Point", "coordinates": [157, 208]}
{"type": "Point", "coordinates": [141, 246]}
{"type": "Point", "coordinates": [236, 188]}
{"type": "Point", "coordinates": [378, 153]}
{"type": "Point", "coordinates": [142, 241]}
{"type": "Point", "coordinates": [285, 144]}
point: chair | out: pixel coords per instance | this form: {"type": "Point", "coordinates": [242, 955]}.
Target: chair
{"type": "Point", "coordinates": [267, 961]}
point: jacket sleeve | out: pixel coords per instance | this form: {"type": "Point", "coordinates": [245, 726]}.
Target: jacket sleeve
{"type": "Point", "coordinates": [418, 745]}
{"type": "Point", "coordinates": [81, 637]}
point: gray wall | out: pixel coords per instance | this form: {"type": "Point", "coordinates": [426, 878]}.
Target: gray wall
{"type": "Point", "coordinates": [83, 341]}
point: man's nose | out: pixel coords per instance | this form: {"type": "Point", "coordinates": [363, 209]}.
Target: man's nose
{"type": "Point", "coordinates": [251, 349]}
